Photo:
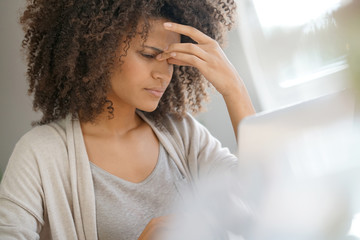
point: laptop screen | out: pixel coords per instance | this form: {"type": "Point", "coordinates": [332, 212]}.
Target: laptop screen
{"type": "Point", "coordinates": [300, 170]}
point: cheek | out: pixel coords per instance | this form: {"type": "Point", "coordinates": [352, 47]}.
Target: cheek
{"type": "Point", "coordinates": [129, 66]}
{"type": "Point", "coordinates": [134, 66]}
{"type": "Point", "coordinates": [124, 73]}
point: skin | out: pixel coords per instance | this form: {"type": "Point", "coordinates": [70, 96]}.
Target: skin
{"type": "Point", "coordinates": [126, 146]}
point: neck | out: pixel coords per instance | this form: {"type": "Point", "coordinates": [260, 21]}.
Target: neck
{"type": "Point", "coordinates": [120, 122]}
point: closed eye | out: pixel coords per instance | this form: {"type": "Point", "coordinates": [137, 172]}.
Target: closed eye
{"type": "Point", "coordinates": [149, 56]}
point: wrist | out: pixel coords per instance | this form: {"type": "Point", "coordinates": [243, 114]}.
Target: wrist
{"type": "Point", "coordinates": [234, 91]}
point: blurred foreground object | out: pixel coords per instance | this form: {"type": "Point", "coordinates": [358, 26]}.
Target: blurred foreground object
{"type": "Point", "coordinates": [298, 179]}
{"type": "Point", "coordinates": [300, 170]}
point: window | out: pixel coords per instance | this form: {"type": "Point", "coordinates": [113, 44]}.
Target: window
{"type": "Point", "coordinates": [293, 48]}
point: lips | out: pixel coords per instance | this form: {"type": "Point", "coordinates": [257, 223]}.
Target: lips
{"type": "Point", "coordinates": [156, 92]}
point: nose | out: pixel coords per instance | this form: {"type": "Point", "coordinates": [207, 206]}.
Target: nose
{"type": "Point", "coordinates": [163, 71]}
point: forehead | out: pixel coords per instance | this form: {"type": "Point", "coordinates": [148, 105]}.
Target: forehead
{"type": "Point", "coordinates": [158, 36]}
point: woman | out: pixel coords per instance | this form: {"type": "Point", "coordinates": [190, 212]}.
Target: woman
{"type": "Point", "coordinates": [115, 146]}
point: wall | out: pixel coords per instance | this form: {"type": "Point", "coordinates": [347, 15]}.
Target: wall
{"type": "Point", "coordinates": [15, 105]}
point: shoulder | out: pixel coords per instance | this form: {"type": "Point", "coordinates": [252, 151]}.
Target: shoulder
{"type": "Point", "coordinates": [205, 154]}
{"type": "Point", "coordinates": [186, 131]}
{"type": "Point", "coordinates": [44, 135]}
{"type": "Point", "coordinates": [181, 132]}
{"type": "Point", "coordinates": [41, 144]}
{"type": "Point", "coordinates": [39, 150]}
{"type": "Point", "coordinates": [184, 125]}
{"type": "Point", "coordinates": [189, 129]}
{"type": "Point", "coordinates": [182, 129]}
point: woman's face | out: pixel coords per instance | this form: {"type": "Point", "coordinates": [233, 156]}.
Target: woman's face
{"type": "Point", "coordinates": [140, 81]}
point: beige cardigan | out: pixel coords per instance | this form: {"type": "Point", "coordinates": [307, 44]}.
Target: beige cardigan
{"type": "Point", "coordinates": [47, 190]}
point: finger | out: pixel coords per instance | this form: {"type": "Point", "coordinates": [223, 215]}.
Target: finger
{"type": "Point", "coordinates": [157, 227]}
{"type": "Point", "coordinates": [188, 48]}
{"type": "Point", "coordinates": [184, 59]}
{"type": "Point", "coordinates": [189, 31]}
{"type": "Point", "coordinates": [165, 56]}
{"type": "Point", "coordinates": [177, 62]}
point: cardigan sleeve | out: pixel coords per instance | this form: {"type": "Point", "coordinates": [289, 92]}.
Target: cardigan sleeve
{"type": "Point", "coordinates": [21, 196]}
{"type": "Point", "coordinates": [35, 189]}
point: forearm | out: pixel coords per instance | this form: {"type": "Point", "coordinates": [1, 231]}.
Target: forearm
{"type": "Point", "coordinates": [239, 105]}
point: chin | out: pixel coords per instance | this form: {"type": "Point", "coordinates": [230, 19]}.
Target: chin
{"type": "Point", "coordinates": [148, 108]}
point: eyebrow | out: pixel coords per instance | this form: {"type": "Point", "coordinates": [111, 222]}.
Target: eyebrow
{"type": "Point", "coordinates": [154, 48]}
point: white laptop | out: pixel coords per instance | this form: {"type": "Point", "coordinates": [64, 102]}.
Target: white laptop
{"type": "Point", "coordinates": [300, 170]}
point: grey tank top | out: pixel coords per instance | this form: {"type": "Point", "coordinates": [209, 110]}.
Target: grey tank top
{"type": "Point", "coordinates": [123, 208]}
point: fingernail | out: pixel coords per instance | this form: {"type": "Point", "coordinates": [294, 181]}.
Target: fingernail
{"type": "Point", "coordinates": [167, 25]}
{"type": "Point", "coordinates": [173, 54]}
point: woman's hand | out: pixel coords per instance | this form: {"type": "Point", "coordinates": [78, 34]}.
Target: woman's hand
{"type": "Point", "coordinates": [207, 56]}
{"type": "Point", "coordinates": [157, 229]}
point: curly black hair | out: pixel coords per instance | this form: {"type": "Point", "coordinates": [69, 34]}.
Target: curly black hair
{"type": "Point", "coordinates": [70, 47]}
